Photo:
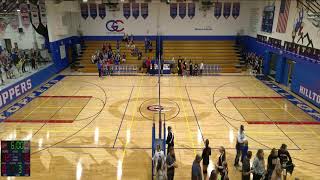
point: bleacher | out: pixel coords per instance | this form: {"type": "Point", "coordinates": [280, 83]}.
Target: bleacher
{"type": "Point", "coordinates": [222, 55]}
{"type": "Point", "coordinates": [132, 63]}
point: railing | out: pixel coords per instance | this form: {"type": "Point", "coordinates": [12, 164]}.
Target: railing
{"type": "Point", "coordinates": [209, 69]}
{"type": "Point", "coordinates": [124, 69]}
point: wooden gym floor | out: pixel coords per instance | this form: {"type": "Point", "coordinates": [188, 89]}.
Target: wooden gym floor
{"type": "Point", "coordinates": [85, 127]}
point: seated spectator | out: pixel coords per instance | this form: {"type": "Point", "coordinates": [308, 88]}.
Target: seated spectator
{"type": "Point", "coordinates": [139, 55]}
{"type": "Point", "coordinates": [150, 46]}
{"type": "Point", "coordinates": [124, 58]}
{"type": "Point", "coordinates": [118, 45]}
{"type": "Point", "coordinates": [285, 158]}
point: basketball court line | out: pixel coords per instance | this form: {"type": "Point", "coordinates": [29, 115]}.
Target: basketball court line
{"type": "Point", "coordinates": [64, 96]}
{"type": "Point", "coordinates": [123, 115]}
{"type": "Point", "coordinates": [187, 120]}
{"type": "Point", "coordinates": [195, 115]}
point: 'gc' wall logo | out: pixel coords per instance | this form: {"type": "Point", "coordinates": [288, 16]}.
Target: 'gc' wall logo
{"type": "Point", "coordinates": [114, 26]}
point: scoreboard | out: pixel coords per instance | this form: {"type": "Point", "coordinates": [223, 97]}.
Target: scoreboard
{"type": "Point", "coordinates": [15, 158]}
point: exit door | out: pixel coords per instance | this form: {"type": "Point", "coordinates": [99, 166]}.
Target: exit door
{"type": "Point", "coordinates": [290, 71]}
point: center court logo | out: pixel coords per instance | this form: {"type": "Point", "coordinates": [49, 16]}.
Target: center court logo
{"type": "Point", "coordinates": [115, 25]}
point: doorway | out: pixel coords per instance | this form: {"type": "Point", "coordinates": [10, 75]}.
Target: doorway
{"type": "Point", "coordinates": [273, 65]}
{"type": "Point", "coordinates": [290, 71]}
{"type": "Point", "coordinates": [8, 44]}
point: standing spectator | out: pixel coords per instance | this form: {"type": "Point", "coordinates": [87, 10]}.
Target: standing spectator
{"type": "Point", "coordinates": [213, 175]}
{"type": "Point", "coordinates": [196, 169]}
{"type": "Point", "coordinates": [170, 138]}
{"type": "Point", "coordinates": [258, 166]}
{"type": "Point", "coordinates": [171, 164]}
{"type": "Point", "coordinates": [179, 66]}
{"type": "Point", "coordinates": [118, 45]}
{"type": "Point", "coordinates": [244, 150]}
{"type": "Point", "coordinates": [206, 153]}
{"type": "Point", "coordinates": [272, 161]}
{"type": "Point", "coordinates": [159, 163]}
{"type": "Point", "coordinates": [125, 38]}
{"type": "Point", "coordinates": [277, 172]}
{"type": "Point", "coordinates": [239, 145]}
{"type": "Point", "coordinates": [146, 45]}
{"type": "Point", "coordinates": [222, 158]}
{"type": "Point", "coordinates": [201, 68]}
{"type": "Point", "coordinates": [148, 63]}
{"type": "Point", "coordinates": [190, 68]}
{"type": "Point", "coordinates": [246, 171]}
{"type": "Point", "coordinates": [99, 68]}
{"type": "Point", "coordinates": [285, 158]}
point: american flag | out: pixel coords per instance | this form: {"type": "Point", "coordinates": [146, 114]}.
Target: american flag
{"type": "Point", "coordinates": [283, 16]}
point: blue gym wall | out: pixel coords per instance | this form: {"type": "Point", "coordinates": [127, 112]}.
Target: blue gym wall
{"type": "Point", "coordinates": [305, 72]}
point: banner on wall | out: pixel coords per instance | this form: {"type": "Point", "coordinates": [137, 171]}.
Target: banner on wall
{"type": "Point", "coordinates": [93, 10]}
{"type": "Point", "coordinates": [283, 16]}
{"type": "Point", "coordinates": [144, 10]}
{"type": "Point", "coordinates": [14, 23]}
{"type": "Point", "coordinates": [173, 10]}
{"type": "Point", "coordinates": [24, 14]}
{"type": "Point", "coordinates": [84, 10]}
{"type": "Point", "coordinates": [226, 9]}
{"type": "Point", "coordinates": [135, 10]}
{"type": "Point", "coordinates": [102, 10]}
{"type": "Point", "coordinates": [126, 10]}
{"type": "Point", "coordinates": [217, 9]}
{"type": "Point", "coordinates": [236, 10]}
{"type": "Point", "coordinates": [34, 15]}
{"type": "Point", "coordinates": [182, 10]}
{"type": "Point", "coordinates": [43, 14]}
{"type": "Point", "coordinates": [191, 10]}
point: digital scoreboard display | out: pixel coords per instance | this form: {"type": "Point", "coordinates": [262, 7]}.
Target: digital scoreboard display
{"type": "Point", "coordinates": [15, 158]}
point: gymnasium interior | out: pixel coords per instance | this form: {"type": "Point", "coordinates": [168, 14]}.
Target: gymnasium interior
{"type": "Point", "coordinates": [160, 89]}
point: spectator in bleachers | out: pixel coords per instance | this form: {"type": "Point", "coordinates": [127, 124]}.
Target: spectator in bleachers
{"type": "Point", "coordinates": [196, 69]}
{"type": "Point", "coordinates": [272, 161]}
{"type": "Point", "coordinates": [118, 45]}
{"type": "Point", "coordinates": [222, 158]}
{"type": "Point", "coordinates": [258, 166]}
{"type": "Point", "coordinates": [139, 55]}
{"type": "Point", "coordinates": [99, 66]}
{"type": "Point", "coordinates": [124, 58]}
{"type": "Point", "coordinates": [246, 170]}
{"type": "Point", "coordinates": [146, 45]}
{"type": "Point", "coordinates": [196, 169]}
{"type": "Point", "coordinates": [171, 164]}
{"type": "Point", "coordinates": [190, 68]}
{"type": "Point", "coordinates": [206, 153]}
{"type": "Point", "coordinates": [150, 45]}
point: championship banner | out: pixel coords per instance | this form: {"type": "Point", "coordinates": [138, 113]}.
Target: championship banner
{"type": "Point", "coordinates": [191, 10]}
{"type": "Point", "coordinates": [236, 10]}
{"type": "Point", "coordinates": [226, 9]}
{"type": "Point", "coordinates": [14, 22]}
{"type": "Point", "coordinates": [173, 10]}
{"type": "Point", "coordinates": [144, 10]}
{"type": "Point", "coordinates": [34, 15]}
{"type": "Point", "coordinates": [43, 14]}
{"type": "Point", "coordinates": [182, 10]}
{"type": "Point", "coordinates": [126, 10]}
{"type": "Point", "coordinates": [93, 10]}
{"type": "Point", "coordinates": [24, 15]}
{"type": "Point", "coordinates": [135, 10]}
{"type": "Point", "coordinates": [102, 10]}
{"type": "Point", "coordinates": [217, 9]}
{"type": "Point", "coordinates": [84, 10]}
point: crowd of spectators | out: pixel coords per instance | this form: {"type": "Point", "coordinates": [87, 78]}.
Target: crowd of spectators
{"type": "Point", "coordinates": [16, 63]}
{"type": "Point", "coordinates": [109, 58]}
{"type": "Point", "coordinates": [279, 162]}
{"type": "Point", "coordinates": [254, 62]}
